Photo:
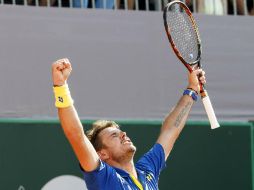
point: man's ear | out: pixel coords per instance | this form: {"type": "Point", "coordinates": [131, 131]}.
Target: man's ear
{"type": "Point", "coordinates": [103, 154]}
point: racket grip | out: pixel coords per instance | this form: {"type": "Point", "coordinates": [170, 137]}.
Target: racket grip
{"type": "Point", "coordinates": [210, 112]}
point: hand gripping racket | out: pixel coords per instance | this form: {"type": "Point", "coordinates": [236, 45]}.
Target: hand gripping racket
{"type": "Point", "coordinates": [184, 38]}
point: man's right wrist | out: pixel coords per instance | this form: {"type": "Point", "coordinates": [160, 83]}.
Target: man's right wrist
{"type": "Point", "coordinates": [63, 97]}
{"type": "Point", "coordinates": [59, 84]}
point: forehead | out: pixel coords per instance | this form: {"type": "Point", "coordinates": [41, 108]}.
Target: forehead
{"type": "Point", "coordinates": [108, 131]}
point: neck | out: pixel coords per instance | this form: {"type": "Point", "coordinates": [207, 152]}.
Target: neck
{"type": "Point", "coordinates": [126, 166]}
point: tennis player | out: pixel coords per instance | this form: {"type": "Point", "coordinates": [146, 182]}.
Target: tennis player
{"type": "Point", "coordinates": [106, 153]}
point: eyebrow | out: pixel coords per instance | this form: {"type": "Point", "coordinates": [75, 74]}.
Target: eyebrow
{"type": "Point", "coordinates": [114, 132]}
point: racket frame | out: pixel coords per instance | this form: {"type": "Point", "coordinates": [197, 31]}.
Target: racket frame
{"type": "Point", "coordinates": [204, 95]}
{"type": "Point", "coordinates": [173, 45]}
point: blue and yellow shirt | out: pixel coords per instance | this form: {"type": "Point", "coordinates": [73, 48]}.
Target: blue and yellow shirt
{"type": "Point", "coordinates": [148, 168]}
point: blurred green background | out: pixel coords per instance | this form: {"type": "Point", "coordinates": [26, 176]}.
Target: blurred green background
{"type": "Point", "coordinates": [32, 152]}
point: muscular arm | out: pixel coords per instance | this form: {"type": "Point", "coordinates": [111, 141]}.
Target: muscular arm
{"type": "Point", "coordinates": [70, 121]}
{"type": "Point", "coordinates": [174, 123]}
{"type": "Point", "coordinates": [176, 119]}
{"type": "Point", "coordinates": [73, 130]}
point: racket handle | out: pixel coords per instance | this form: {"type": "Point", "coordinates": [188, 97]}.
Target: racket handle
{"type": "Point", "coordinates": [210, 112]}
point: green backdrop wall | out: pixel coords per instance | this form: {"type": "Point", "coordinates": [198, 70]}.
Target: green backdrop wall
{"type": "Point", "coordinates": [32, 152]}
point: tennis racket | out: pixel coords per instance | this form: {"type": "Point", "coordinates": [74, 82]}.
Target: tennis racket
{"type": "Point", "coordinates": [184, 38]}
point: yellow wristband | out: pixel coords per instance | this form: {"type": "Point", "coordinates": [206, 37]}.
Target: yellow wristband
{"type": "Point", "coordinates": [62, 96]}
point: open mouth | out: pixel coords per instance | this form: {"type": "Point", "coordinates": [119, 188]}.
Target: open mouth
{"type": "Point", "coordinates": [126, 141]}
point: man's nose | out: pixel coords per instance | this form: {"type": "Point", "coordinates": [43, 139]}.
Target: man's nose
{"type": "Point", "coordinates": [123, 134]}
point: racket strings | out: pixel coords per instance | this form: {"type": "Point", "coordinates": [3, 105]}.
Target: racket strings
{"type": "Point", "coordinates": [183, 33]}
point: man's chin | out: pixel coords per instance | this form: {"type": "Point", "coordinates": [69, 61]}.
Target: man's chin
{"type": "Point", "coordinates": [132, 148]}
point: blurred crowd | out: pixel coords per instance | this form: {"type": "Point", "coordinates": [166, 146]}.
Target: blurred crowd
{"type": "Point", "coordinates": [216, 7]}
{"type": "Point", "coordinates": [222, 7]}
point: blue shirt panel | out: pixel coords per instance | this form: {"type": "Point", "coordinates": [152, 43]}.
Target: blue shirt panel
{"type": "Point", "coordinates": [152, 163]}
{"type": "Point", "coordinates": [148, 168]}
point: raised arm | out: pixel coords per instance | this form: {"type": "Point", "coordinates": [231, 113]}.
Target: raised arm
{"type": "Point", "coordinates": [69, 119]}
{"type": "Point", "coordinates": [175, 121]}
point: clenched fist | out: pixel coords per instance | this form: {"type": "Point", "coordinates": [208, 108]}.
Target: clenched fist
{"type": "Point", "coordinates": [61, 70]}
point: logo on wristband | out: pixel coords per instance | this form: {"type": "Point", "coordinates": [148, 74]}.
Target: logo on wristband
{"type": "Point", "coordinates": [60, 99]}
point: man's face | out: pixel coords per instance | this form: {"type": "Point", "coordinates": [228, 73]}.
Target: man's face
{"type": "Point", "coordinates": [117, 144]}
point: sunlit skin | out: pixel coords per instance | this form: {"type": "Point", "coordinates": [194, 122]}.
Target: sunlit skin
{"type": "Point", "coordinates": [118, 148]}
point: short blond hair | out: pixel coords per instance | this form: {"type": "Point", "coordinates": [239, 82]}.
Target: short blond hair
{"type": "Point", "coordinates": [97, 127]}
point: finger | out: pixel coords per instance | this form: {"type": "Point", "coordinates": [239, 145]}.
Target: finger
{"type": "Point", "coordinates": [197, 72]}
{"type": "Point", "coordinates": [202, 78]}
{"type": "Point", "coordinates": [67, 64]}
{"type": "Point", "coordinates": [203, 81]}
{"type": "Point", "coordinates": [60, 64]}
{"type": "Point", "coordinates": [66, 60]}
{"type": "Point", "coordinates": [57, 66]}
{"type": "Point", "coordinates": [60, 61]}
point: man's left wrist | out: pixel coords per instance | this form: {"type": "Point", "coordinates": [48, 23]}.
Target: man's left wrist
{"type": "Point", "coordinates": [194, 88]}
{"type": "Point", "coordinates": [192, 93]}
